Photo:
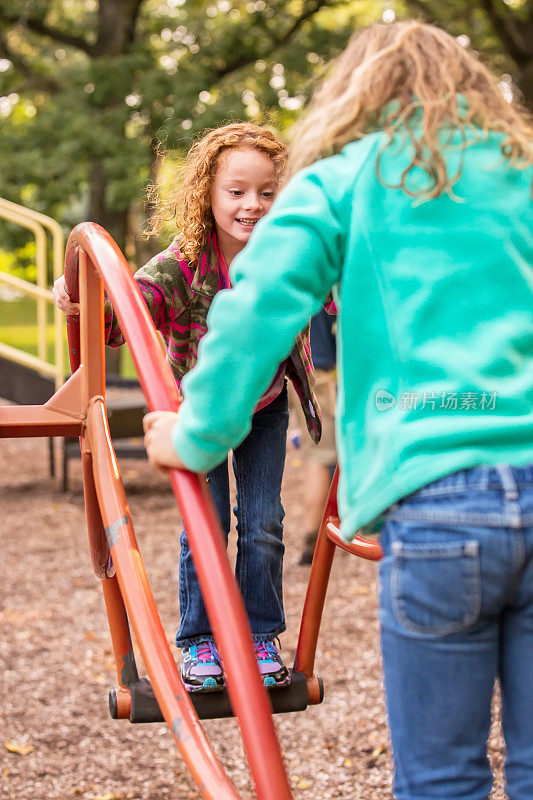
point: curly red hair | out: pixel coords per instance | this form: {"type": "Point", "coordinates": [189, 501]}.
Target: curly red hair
{"type": "Point", "coordinates": [189, 204]}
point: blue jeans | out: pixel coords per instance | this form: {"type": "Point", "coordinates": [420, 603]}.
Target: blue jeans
{"type": "Point", "coordinates": [258, 464]}
{"type": "Point", "coordinates": [456, 596]}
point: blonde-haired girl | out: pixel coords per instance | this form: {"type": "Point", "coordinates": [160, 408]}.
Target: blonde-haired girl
{"type": "Point", "coordinates": [228, 183]}
{"type": "Point", "coordinates": [415, 206]}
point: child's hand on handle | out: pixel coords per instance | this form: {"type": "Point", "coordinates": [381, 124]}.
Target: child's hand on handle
{"type": "Point", "coordinates": [62, 299]}
{"type": "Point", "coordinates": [157, 439]}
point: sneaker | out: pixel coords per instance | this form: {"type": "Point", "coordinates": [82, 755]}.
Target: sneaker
{"type": "Point", "coordinates": [308, 551]}
{"type": "Point", "coordinates": [271, 666]}
{"type": "Point", "coordinates": [200, 668]}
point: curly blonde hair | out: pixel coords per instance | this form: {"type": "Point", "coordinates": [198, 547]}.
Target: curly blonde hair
{"type": "Point", "coordinates": [423, 70]}
{"type": "Point", "coordinates": [189, 203]}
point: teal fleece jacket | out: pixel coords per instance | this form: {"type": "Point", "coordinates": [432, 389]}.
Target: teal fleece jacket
{"type": "Point", "coordinates": [435, 321]}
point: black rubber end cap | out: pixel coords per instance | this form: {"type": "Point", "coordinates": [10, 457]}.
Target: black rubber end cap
{"type": "Point", "coordinates": [113, 705]}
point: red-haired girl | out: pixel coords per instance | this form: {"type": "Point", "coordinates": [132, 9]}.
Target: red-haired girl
{"type": "Point", "coordinates": [229, 181]}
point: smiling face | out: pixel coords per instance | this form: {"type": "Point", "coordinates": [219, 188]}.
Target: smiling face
{"type": "Point", "coordinates": [243, 191]}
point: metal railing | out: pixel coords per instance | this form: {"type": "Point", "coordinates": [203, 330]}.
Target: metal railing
{"type": "Point", "coordinates": [39, 224]}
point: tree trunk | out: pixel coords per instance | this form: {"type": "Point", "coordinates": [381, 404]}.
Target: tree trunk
{"type": "Point", "coordinates": [142, 212]}
{"type": "Point", "coordinates": [525, 83]}
{"type": "Point", "coordinates": [115, 222]}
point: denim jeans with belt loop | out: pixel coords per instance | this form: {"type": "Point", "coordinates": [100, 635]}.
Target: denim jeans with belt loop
{"type": "Point", "coordinates": [456, 612]}
{"type": "Point", "coordinates": [258, 464]}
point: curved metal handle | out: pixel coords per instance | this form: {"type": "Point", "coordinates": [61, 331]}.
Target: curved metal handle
{"type": "Point", "coordinates": [360, 546]}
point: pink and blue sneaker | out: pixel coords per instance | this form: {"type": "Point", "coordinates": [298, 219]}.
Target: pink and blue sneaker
{"type": "Point", "coordinates": [201, 668]}
{"type": "Point", "coordinates": [271, 667]}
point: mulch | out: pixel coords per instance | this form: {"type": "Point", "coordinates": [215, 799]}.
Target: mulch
{"type": "Point", "coordinates": [57, 740]}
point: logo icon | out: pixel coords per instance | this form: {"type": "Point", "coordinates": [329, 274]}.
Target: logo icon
{"type": "Point", "coordinates": [384, 400]}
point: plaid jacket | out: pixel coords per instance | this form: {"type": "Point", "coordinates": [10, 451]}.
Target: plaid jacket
{"type": "Point", "coordinates": [178, 295]}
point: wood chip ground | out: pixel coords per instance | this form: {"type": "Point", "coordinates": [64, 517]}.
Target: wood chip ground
{"type": "Point", "coordinates": [57, 740]}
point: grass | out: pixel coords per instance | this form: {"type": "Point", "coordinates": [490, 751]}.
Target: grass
{"type": "Point", "coordinates": [18, 328]}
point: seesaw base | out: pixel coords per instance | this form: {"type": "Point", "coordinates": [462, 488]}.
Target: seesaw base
{"type": "Point", "coordinates": [212, 705]}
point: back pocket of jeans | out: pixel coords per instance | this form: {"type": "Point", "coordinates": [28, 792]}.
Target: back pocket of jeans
{"type": "Point", "coordinates": [436, 589]}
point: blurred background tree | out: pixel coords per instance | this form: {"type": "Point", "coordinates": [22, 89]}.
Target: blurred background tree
{"type": "Point", "coordinates": [90, 88]}
{"type": "Point", "coordinates": [500, 30]}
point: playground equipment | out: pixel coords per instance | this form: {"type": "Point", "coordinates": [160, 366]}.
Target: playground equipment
{"type": "Point", "coordinates": [39, 224]}
{"type": "Point", "coordinates": [78, 409]}
{"type": "Point", "coordinates": [125, 407]}
{"type": "Point", "coordinates": [27, 378]}
{"type": "Point", "coordinates": [23, 374]}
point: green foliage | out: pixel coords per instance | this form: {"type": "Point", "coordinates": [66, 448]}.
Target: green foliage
{"type": "Point", "coordinates": [85, 102]}
{"type": "Point", "coordinates": [89, 88]}
{"type": "Point", "coordinates": [20, 262]}
{"type": "Point", "coordinates": [500, 30]}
